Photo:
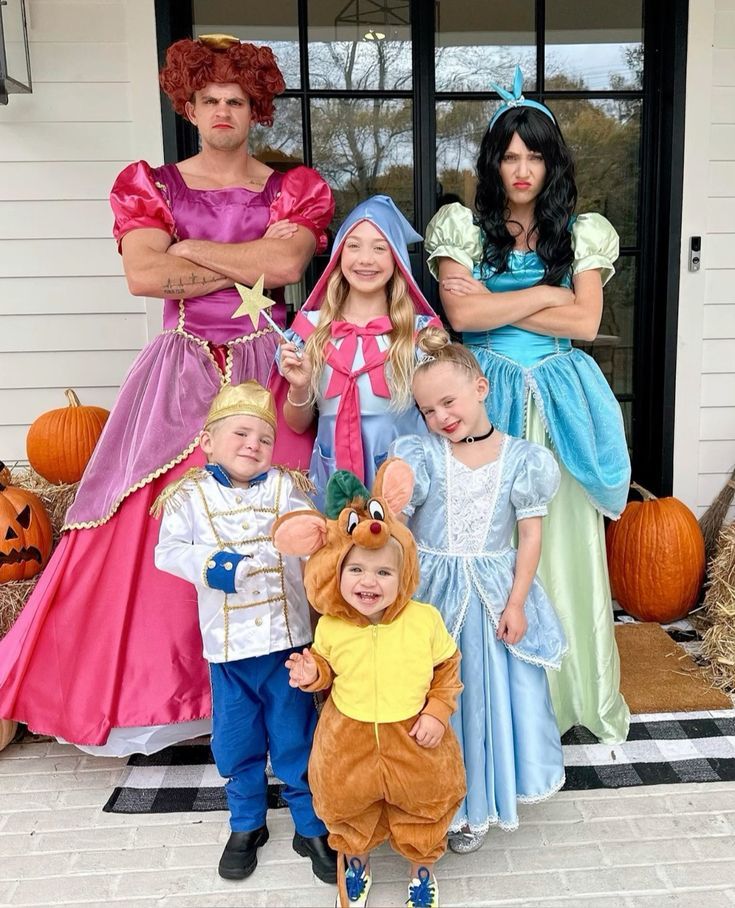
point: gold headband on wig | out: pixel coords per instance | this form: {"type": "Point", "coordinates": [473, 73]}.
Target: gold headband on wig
{"type": "Point", "coordinates": [218, 42]}
{"type": "Point", "coordinates": [247, 399]}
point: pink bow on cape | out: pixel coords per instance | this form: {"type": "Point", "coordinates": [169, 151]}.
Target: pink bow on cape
{"type": "Point", "coordinates": [343, 383]}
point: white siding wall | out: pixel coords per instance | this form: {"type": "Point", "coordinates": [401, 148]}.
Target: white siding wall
{"type": "Point", "coordinates": [704, 448]}
{"type": "Point", "coordinates": [66, 317]}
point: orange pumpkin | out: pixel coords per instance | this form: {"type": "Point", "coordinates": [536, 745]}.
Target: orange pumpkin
{"type": "Point", "coordinates": [8, 729]}
{"type": "Point", "coordinates": [655, 554]}
{"type": "Point", "coordinates": [60, 442]}
{"type": "Point", "coordinates": [26, 536]}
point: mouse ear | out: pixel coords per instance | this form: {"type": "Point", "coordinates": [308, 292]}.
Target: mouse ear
{"type": "Point", "coordinates": [300, 533]}
{"type": "Point", "coordinates": [394, 484]}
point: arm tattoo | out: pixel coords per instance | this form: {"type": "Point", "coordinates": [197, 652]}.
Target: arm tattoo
{"type": "Point", "coordinates": [177, 285]}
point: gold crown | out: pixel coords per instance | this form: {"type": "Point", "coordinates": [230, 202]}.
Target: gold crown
{"type": "Point", "coordinates": [247, 399]}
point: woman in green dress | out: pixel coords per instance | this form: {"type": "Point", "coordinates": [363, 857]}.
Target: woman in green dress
{"type": "Point", "coordinates": [520, 282]}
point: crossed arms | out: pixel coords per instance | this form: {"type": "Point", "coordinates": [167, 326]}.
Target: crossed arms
{"type": "Point", "coordinates": [554, 311]}
{"type": "Point", "coordinates": [156, 267]}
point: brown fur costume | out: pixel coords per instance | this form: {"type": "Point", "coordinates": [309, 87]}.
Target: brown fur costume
{"type": "Point", "coordinates": [372, 781]}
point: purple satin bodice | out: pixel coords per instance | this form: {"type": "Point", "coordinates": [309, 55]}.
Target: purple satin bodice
{"type": "Point", "coordinates": [221, 215]}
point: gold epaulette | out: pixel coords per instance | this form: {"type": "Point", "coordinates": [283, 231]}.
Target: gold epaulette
{"type": "Point", "coordinates": [176, 492]}
{"type": "Point", "coordinates": [300, 480]}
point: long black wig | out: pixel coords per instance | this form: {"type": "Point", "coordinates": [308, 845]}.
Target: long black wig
{"type": "Point", "coordinates": [554, 205]}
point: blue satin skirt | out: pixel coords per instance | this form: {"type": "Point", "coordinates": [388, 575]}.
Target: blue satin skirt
{"type": "Point", "coordinates": [506, 728]}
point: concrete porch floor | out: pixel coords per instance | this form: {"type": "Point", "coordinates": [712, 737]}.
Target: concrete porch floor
{"type": "Point", "coordinates": [646, 846]}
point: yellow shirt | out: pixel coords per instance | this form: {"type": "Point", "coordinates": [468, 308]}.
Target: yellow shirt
{"type": "Point", "coordinates": [384, 671]}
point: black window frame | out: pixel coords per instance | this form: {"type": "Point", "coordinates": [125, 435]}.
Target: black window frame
{"type": "Point", "coordinates": [659, 205]}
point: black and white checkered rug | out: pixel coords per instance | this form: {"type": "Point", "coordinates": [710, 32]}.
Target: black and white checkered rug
{"type": "Point", "coordinates": [662, 748]}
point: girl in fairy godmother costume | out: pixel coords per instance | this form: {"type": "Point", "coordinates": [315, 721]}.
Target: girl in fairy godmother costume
{"type": "Point", "coordinates": [520, 282]}
{"type": "Point", "coordinates": [348, 368]}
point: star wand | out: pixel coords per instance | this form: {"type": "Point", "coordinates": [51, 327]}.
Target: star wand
{"type": "Point", "coordinates": [254, 304]}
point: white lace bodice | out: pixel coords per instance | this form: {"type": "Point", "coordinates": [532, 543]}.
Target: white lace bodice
{"type": "Point", "coordinates": [472, 495]}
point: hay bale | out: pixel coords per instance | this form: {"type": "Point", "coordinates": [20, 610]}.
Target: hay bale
{"type": "Point", "coordinates": [716, 619]}
{"type": "Point", "coordinates": [711, 521]}
{"type": "Point", "coordinates": [57, 500]}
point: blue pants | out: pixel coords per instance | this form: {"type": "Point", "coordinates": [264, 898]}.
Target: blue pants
{"type": "Point", "coordinates": [255, 711]}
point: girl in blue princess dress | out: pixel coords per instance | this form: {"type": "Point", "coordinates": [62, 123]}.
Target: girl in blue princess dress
{"type": "Point", "coordinates": [520, 280]}
{"type": "Point", "coordinates": [483, 485]}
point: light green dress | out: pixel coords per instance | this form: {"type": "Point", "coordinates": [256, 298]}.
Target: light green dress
{"type": "Point", "coordinates": [547, 391]}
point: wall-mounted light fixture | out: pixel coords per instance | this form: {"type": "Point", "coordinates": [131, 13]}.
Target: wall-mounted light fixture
{"type": "Point", "coordinates": [15, 58]}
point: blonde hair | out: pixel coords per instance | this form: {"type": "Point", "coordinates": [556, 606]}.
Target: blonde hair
{"type": "Point", "coordinates": [437, 347]}
{"type": "Point", "coordinates": [401, 351]}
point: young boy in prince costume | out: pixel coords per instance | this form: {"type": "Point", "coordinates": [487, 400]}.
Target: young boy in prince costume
{"type": "Point", "coordinates": [216, 533]}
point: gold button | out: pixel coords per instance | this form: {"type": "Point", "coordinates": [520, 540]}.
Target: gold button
{"type": "Point", "coordinates": [238, 499]}
{"type": "Point", "coordinates": [258, 621]}
{"type": "Point", "coordinates": [211, 564]}
{"type": "Point", "coordinates": [245, 526]}
{"type": "Point", "coordinates": [256, 592]}
{"type": "Point", "coordinates": [228, 565]}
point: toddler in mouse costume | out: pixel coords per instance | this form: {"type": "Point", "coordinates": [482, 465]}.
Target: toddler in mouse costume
{"type": "Point", "coordinates": [384, 763]}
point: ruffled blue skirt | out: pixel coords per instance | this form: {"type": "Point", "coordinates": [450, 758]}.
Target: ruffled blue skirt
{"type": "Point", "coordinates": [505, 722]}
{"type": "Point", "coordinates": [506, 729]}
{"type": "Point", "coordinates": [580, 412]}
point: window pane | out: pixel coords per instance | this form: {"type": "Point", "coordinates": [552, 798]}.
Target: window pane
{"type": "Point", "coordinates": [363, 147]}
{"type": "Point", "coordinates": [460, 126]}
{"type": "Point", "coordinates": [613, 347]}
{"type": "Point", "coordinates": [274, 24]}
{"type": "Point", "coordinates": [605, 138]}
{"type": "Point", "coordinates": [280, 145]}
{"type": "Point", "coordinates": [479, 43]}
{"type": "Point", "coordinates": [594, 45]}
{"type": "Point", "coordinates": [361, 45]}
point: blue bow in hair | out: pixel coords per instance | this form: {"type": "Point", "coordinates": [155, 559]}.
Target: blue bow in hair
{"type": "Point", "coordinates": [515, 98]}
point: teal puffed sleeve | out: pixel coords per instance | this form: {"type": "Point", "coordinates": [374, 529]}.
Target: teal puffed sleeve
{"type": "Point", "coordinates": [452, 234]}
{"type": "Point", "coordinates": [596, 245]}
{"type": "Point", "coordinates": [411, 449]}
{"type": "Point", "coordinates": [535, 483]}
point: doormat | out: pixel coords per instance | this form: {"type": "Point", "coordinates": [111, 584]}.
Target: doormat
{"type": "Point", "coordinates": [661, 749]}
{"type": "Point", "coordinates": [657, 675]}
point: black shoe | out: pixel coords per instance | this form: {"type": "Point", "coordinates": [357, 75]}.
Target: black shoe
{"type": "Point", "coordinates": [240, 856]}
{"type": "Point", "coordinates": [323, 858]}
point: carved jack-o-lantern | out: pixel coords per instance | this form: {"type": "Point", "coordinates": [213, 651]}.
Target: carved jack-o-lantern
{"type": "Point", "coordinates": [25, 533]}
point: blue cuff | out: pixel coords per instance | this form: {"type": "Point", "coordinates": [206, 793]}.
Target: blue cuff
{"type": "Point", "coordinates": [220, 571]}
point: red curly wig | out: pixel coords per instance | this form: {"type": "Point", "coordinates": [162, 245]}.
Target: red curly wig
{"type": "Point", "coordinates": [190, 65]}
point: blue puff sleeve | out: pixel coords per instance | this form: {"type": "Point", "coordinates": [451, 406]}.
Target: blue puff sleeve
{"type": "Point", "coordinates": [536, 482]}
{"type": "Point", "coordinates": [596, 245]}
{"type": "Point", "coordinates": [411, 449]}
{"type": "Point", "coordinates": [452, 234]}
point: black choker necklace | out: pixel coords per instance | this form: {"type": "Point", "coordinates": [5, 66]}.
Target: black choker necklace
{"type": "Point", "coordinates": [471, 439]}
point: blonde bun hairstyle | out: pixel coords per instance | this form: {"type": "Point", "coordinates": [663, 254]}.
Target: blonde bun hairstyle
{"type": "Point", "coordinates": [436, 346]}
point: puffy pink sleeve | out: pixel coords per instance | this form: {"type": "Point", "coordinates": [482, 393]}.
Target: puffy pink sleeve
{"type": "Point", "coordinates": [137, 202]}
{"type": "Point", "coordinates": [306, 199]}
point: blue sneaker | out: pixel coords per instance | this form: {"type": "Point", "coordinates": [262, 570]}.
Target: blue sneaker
{"type": "Point", "coordinates": [358, 882]}
{"type": "Point", "coordinates": [423, 891]}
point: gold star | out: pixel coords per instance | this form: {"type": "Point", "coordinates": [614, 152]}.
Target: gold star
{"type": "Point", "coordinates": [254, 301]}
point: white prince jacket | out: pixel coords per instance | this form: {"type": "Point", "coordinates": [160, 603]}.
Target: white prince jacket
{"type": "Point", "coordinates": [251, 598]}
